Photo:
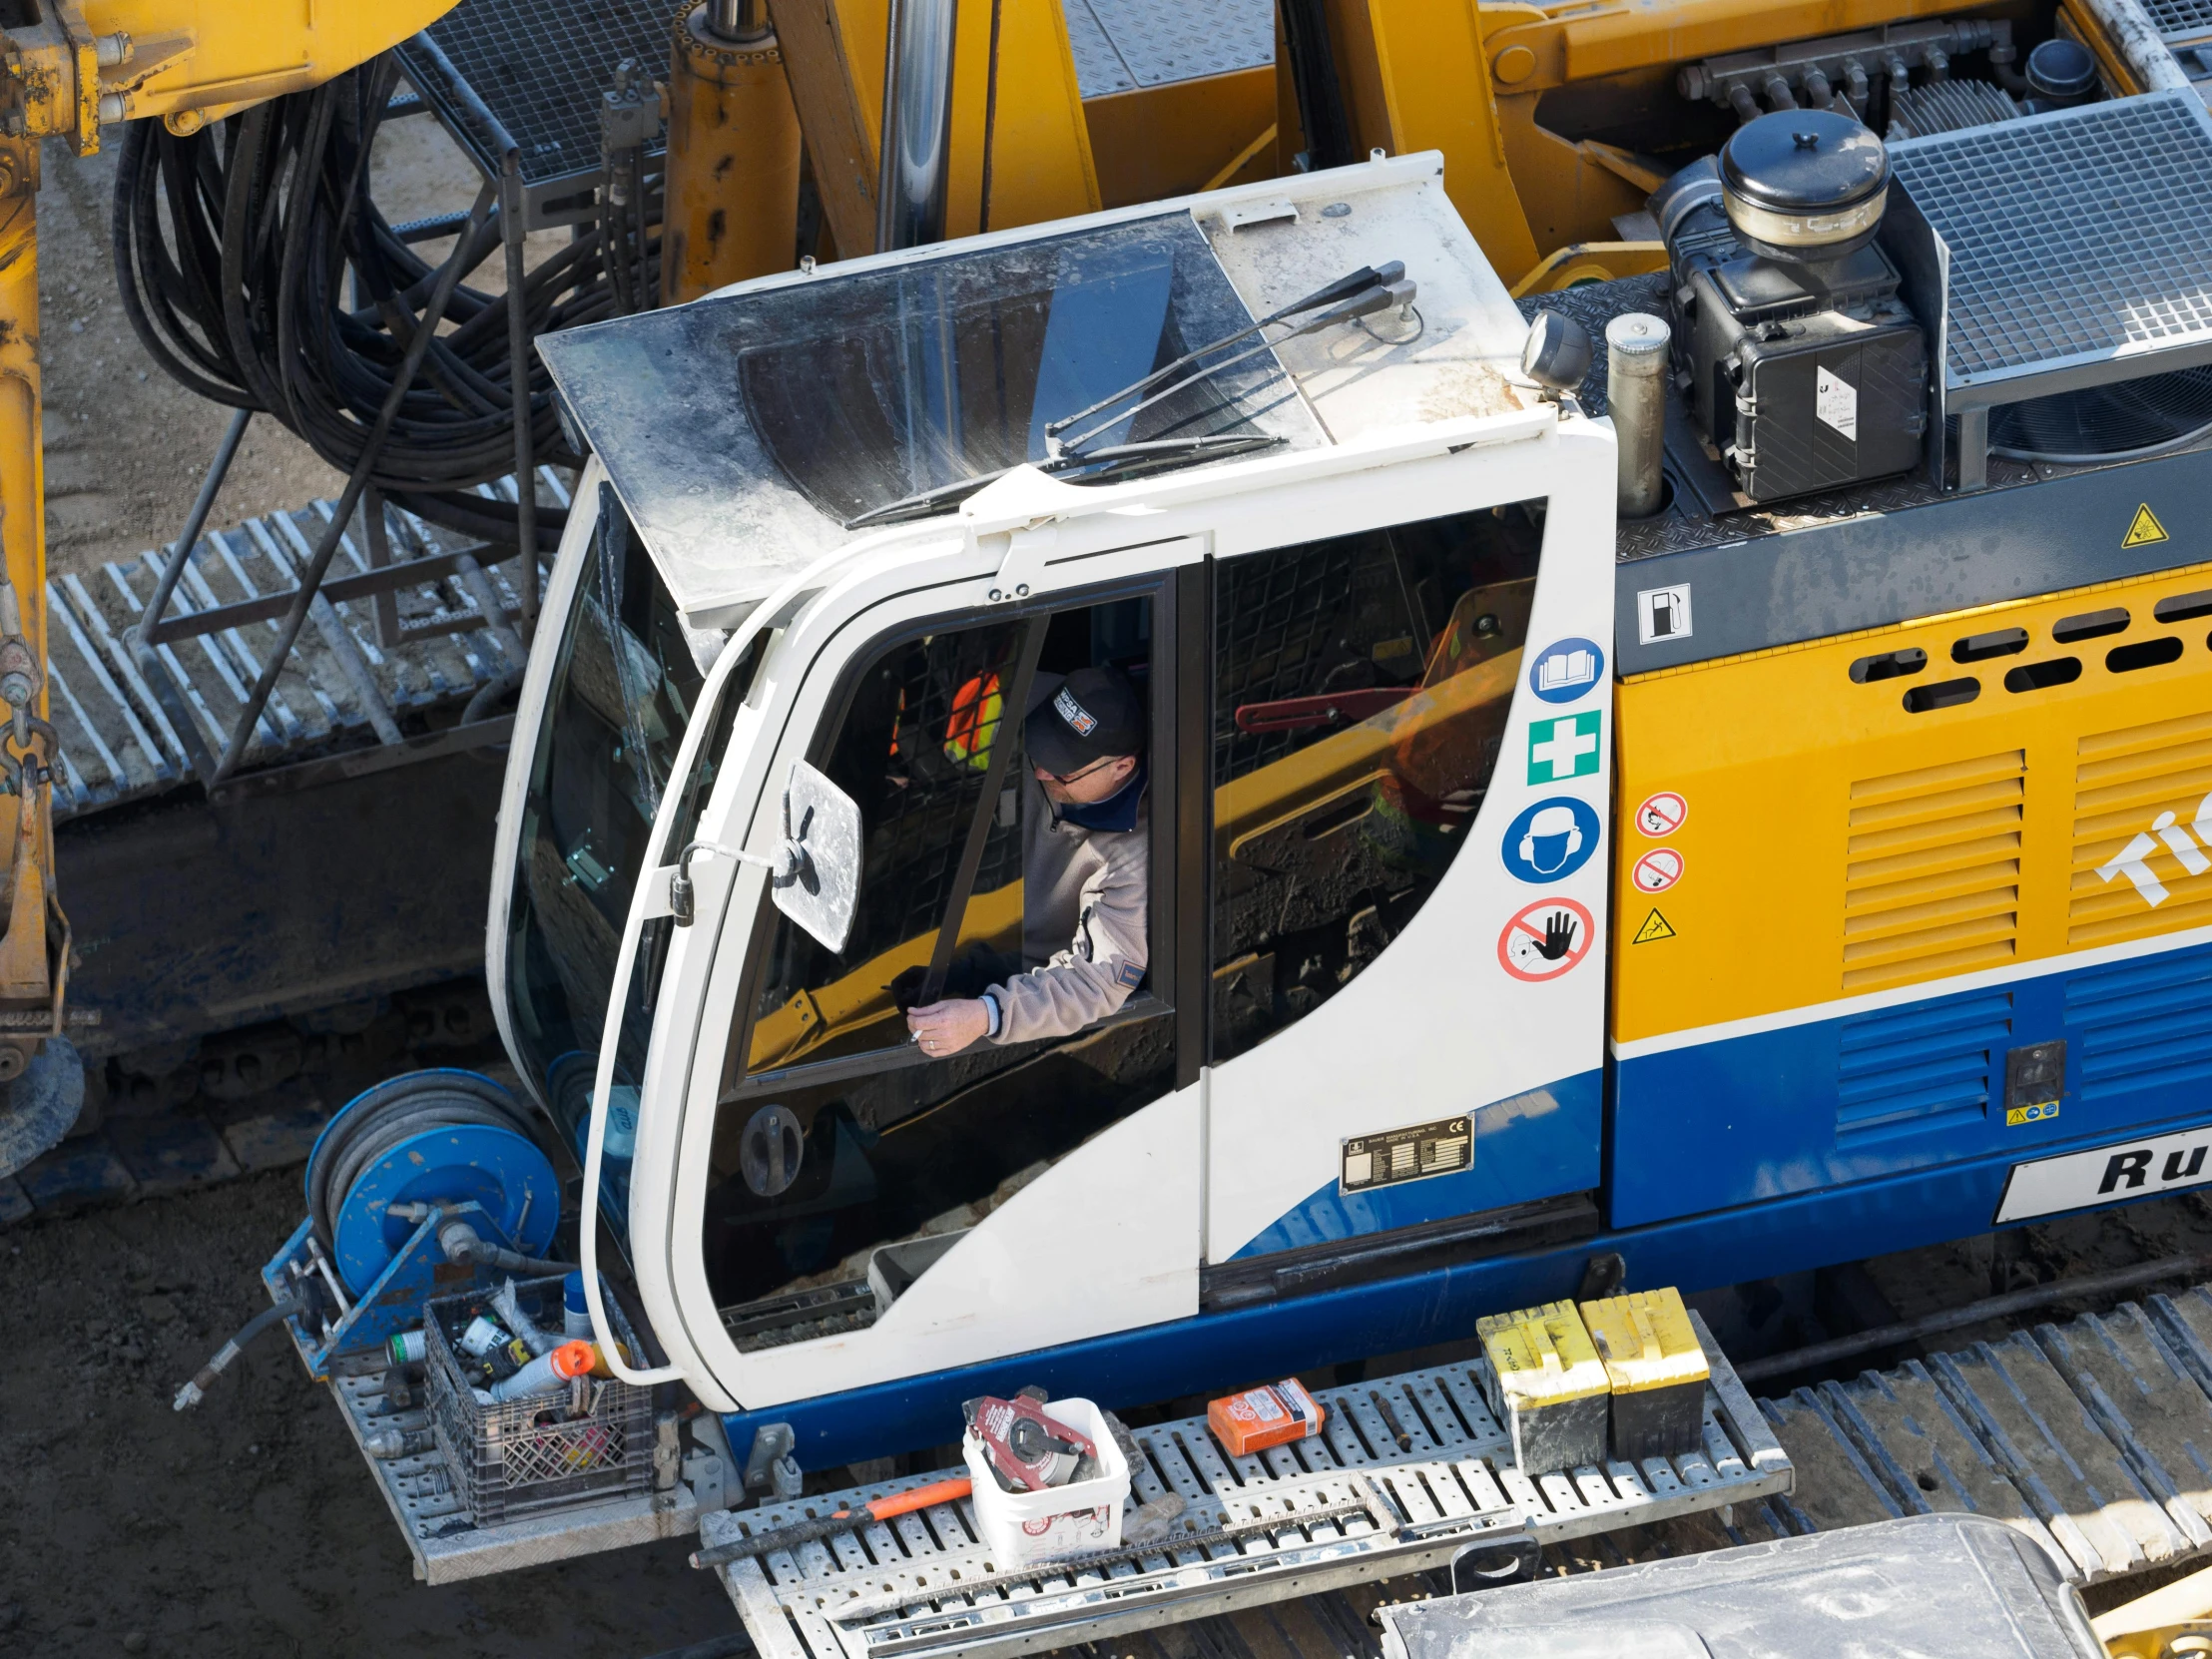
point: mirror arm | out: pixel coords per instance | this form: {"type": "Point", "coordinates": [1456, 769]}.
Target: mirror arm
{"type": "Point", "coordinates": [681, 895]}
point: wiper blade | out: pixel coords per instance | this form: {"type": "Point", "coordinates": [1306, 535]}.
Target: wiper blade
{"type": "Point", "coordinates": [1343, 288]}
{"type": "Point", "coordinates": [1115, 459]}
{"type": "Point", "coordinates": [923, 503]}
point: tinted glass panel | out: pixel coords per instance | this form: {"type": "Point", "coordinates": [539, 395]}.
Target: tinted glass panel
{"type": "Point", "coordinates": [924, 374]}
{"type": "Point", "coordinates": [1361, 689]}
{"type": "Point", "coordinates": [625, 687]}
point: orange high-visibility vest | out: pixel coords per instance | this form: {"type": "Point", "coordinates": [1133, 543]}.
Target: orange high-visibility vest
{"type": "Point", "coordinates": [977, 711]}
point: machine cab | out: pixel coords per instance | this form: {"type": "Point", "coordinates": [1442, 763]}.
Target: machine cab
{"type": "Point", "coordinates": [1358, 582]}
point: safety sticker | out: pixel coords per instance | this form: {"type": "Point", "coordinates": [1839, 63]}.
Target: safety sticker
{"type": "Point", "coordinates": [1657, 871]}
{"type": "Point", "coordinates": [1567, 670]}
{"type": "Point", "coordinates": [1663, 615]}
{"type": "Point", "coordinates": [2014, 1116]}
{"type": "Point", "coordinates": [1655, 927]}
{"type": "Point", "coordinates": [1661, 814]}
{"type": "Point", "coordinates": [1550, 840]}
{"type": "Point", "coordinates": [2145, 530]}
{"type": "Point", "coordinates": [2123, 1169]}
{"type": "Point", "coordinates": [1546, 940]}
{"type": "Point", "coordinates": [1563, 748]}
{"type": "Point", "coordinates": [1835, 401]}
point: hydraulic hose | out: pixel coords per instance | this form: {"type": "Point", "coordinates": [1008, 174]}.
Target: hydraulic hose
{"type": "Point", "coordinates": [256, 269]}
{"type": "Point", "coordinates": [462, 1243]}
{"type": "Point", "coordinates": [203, 1379]}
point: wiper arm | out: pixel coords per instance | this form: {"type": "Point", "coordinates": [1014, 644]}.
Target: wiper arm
{"type": "Point", "coordinates": [1343, 288]}
{"type": "Point", "coordinates": [1120, 458]}
{"type": "Point", "coordinates": [1366, 303]}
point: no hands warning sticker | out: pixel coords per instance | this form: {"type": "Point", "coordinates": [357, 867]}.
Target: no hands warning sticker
{"type": "Point", "coordinates": [1657, 871]}
{"type": "Point", "coordinates": [1546, 940]}
{"type": "Point", "coordinates": [1661, 814]}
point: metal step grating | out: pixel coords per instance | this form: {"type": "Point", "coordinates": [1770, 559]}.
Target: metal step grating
{"type": "Point", "coordinates": [2076, 236]}
{"type": "Point", "coordinates": [118, 745]}
{"type": "Point", "coordinates": [1407, 1471]}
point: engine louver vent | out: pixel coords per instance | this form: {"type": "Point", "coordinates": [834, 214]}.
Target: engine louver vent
{"type": "Point", "coordinates": [2142, 1025]}
{"type": "Point", "coordinates": [1909, 1070]}
{"type": "Point", "coordinates": [2141, 864]}
{"type": "Point", "coordinates": [1933, 871]}
{"type": "Point", "coordinates": [2180, 20]}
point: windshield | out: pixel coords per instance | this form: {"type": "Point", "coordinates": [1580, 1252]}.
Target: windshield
{"type": "Point", "coordinates": [746, 430]}
{"type": "Point", "coordinates": [625, 687]}
{"type": "Point", "coordinates": [901, 381]}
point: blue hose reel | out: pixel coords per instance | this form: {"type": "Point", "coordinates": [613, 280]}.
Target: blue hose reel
{"type": "Point", "coordinates": [403, 1161]}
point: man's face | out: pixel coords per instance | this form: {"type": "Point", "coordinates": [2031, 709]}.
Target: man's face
{"type": "Point", "coordinates": [1089, 785]}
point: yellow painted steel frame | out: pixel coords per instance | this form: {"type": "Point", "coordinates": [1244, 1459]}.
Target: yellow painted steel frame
{"type": "Point", "coordinates": [1837, 843]}
{"type": "Point", "coordinates": [732, 162]}
{"type": "Point", "coordinates": [26, 973]}
{"type": "Point", "coordinates": [2173, 1622]}
{"type": "Point", "coordinates": [1041, 164]}
{"type": "Point", "coordinates": [90, 63]}
{"type": "Point", "coordinates": [79, 67]}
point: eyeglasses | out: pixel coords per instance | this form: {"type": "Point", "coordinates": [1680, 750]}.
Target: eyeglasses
{"type": "Point", "coordinates": [1076, 775]}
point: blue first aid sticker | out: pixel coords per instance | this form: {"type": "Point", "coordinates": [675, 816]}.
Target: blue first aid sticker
{"type": "Point", "coordinates": [1567, 670]}
{"type": "Point", "coordinates": [1550, 840]}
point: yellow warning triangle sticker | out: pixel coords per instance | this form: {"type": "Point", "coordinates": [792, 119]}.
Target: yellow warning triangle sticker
{"type": "Point", "coordinates": [2145, 530]}
{"type": "Point", "coordinates": [1654, 928]}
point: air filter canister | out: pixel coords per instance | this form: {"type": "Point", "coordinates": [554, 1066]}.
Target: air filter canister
{"type": "Point", "coordinates": [1804, 185]}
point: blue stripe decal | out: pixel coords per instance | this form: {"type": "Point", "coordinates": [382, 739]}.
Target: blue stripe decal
{"type": "Point", "coordinates": [1834, 1101]}
{"type": "Point", "coordinates": [1534, 1145]}
{"type": "Point", "coordinates": [1212, 1353]}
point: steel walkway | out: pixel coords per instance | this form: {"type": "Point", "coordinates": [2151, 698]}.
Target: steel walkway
{"type": "Point", "coordinates": [2093, 1437]}
{"type": "Point", "coordinates": [117, 742]}
{"type": "Point", "coordinates": [1408, 1470]}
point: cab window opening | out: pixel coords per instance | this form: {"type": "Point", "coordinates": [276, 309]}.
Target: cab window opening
{"type": "Point", "coordinates": [839, 1131]}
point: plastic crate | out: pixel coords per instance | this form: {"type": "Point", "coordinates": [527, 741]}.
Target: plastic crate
{"type": "Point", "coordinates": [527, 1454]}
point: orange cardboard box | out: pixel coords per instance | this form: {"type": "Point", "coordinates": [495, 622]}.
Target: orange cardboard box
{"type": "Point", "coordinates": [1267, 1416]}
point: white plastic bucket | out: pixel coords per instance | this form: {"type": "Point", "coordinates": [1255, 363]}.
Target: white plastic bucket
{"type": "Point", "coordinates": [1083, 1515]}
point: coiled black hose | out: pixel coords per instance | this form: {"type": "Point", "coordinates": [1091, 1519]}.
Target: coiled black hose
{"type": "Point", "coordinates": [238, 249]}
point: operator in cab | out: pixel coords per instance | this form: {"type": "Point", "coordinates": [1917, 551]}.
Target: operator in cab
{"type": "Point", "coordinates": [1085, 879]}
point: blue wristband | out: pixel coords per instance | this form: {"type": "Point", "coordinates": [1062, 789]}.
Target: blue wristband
{"type": "Point", "coordinates": [990, 1007]}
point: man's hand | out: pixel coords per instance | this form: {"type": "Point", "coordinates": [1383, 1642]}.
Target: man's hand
{"type": "Point", "coordinates": [947, 1027]}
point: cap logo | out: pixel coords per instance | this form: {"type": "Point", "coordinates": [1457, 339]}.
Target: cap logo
{"type": "Point", "coordinates": [1078, 717]}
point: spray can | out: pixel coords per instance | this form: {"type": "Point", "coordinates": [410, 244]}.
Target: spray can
{"type": "Point", "coordinates": [481, 1338]}
{"type": "Point", "coordinates": [575, 1310]}
{"type": "Point", "coordinates": [407, 1347]}
{"type": "Point", "coordinates": [547, 1373]}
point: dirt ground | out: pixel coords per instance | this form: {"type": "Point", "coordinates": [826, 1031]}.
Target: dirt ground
{"type": "Point", "coordinates": [248, 1528]}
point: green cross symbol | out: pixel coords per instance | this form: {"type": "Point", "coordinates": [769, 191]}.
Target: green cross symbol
{"type": "Point", "coordinates": [1563, 748]}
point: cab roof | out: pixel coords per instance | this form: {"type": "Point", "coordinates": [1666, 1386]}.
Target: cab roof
{"type": "Point", "coordinates": [743, 430]}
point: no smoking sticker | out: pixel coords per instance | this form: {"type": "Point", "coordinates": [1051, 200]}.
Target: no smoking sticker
{"type": "Point", "coordinates": [1657, 871]}
{"type": "Point", "coordinates": [1661, 814]}
{"type": "Point", "coordinates": [1546, 940]}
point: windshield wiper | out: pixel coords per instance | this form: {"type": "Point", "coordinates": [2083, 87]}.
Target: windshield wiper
{"type": "Point", "coordinates": [1117, 461]}
{"type": "Point", "coordinates": [1368, 290]}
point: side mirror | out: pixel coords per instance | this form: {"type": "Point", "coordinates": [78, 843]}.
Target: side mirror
{"type": "Point", "coordinates": [820, 887]}
{"type": "Point", "coordinates": [814, 877]}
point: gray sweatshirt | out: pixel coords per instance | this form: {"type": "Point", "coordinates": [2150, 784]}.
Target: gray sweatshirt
{"type": "Point", "coordinates": [1085, 899]}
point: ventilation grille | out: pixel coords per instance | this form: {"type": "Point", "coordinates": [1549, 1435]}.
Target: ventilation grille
{"type": "Point", "coordinates": [1912, 1070]}
{"type": "Point", "coordinates": [2142, 1025]}
{"type": "Point", "coordinates": [2143, 831]}
{"type": "Point", "coordinates": [1931, 881]}
{"type": "Point", "coordinates": [2180, 20]}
